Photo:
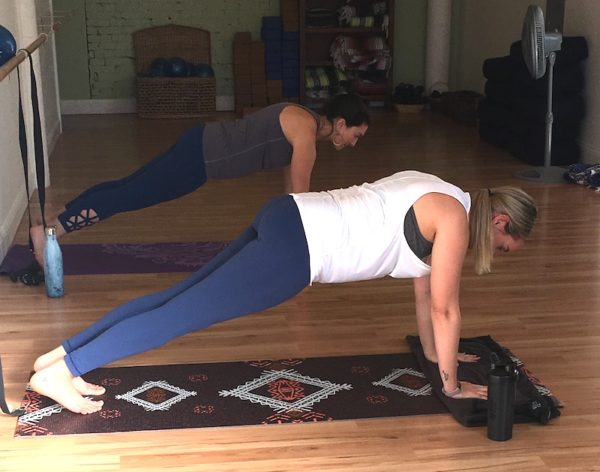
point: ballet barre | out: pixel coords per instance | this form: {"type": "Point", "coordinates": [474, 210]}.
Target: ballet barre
{"type": "Point", "coordinates": [21, 55]}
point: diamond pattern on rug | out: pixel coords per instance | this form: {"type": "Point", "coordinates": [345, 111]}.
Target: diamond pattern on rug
{"type": "Point", "coordinates": [288, 390]}
{"type": "Point", "coordinates": [159, 395]}
{"type": "Point", "coordinates": [258, 392]}
{"type": "Point", "coordinates": [407, 380]}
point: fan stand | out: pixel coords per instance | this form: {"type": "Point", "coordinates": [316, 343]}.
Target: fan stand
{"type": "Point", "coordinates": [546, 173]}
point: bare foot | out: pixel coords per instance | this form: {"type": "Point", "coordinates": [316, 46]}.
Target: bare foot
{"type": "Point", "coordinates": [46, 360]}
{"type": "Point", "coordinates": [56, 382]}
{"type": "Point", "coordinates": [80, 385]}
{"type": "Point", "coordinates": [86, 388]}
{"type": "Point", "coordinates": [38, 238]}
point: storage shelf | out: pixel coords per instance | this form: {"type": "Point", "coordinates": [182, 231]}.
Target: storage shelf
{"type": "Point", "coordinates": [315, 41]}
{"type": "Point", "coordinates": [312, 102]}
{"type": "Point", "coordinates": [323, 63]}
{"type": "Point", "coordinates": [343, 29]}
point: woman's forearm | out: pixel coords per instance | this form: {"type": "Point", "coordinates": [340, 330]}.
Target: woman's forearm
{"type": "Point", "coordinates": [446, 330]}
{"type": "Point", "coordinates": [423, 308]}
{"type": "Point", "coordinates": [423, 312]}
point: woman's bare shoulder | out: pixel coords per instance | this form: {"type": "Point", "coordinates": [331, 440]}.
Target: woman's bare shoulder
{"type": "Point", "coordinates": [434, 209]}
{"type": "Point", "coordinates": [296, 121]}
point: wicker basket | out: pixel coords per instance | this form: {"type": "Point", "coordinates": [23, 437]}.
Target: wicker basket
{"type": "Point", "coordinates": [173, 97]}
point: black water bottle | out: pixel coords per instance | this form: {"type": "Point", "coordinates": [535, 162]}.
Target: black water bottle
{"type": "Point", "coordinates": [502, 382]}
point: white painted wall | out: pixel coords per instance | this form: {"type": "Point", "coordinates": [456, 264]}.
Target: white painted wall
{"type": "Point", "coordinates": [487, 29]}
{"type": "Point", "coordinates": [25, 18]}
{"type": "Point", "coordinates": [51, 123]}
{"type": "Point", "coordinates": [12, 195]}
{"type": "Point", "coordinates": [581, 19]}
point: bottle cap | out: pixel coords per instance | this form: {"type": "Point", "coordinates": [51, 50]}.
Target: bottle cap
{"type": "Point", "coordinates": [50, 230]}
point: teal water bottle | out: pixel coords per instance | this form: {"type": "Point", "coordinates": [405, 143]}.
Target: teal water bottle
{"type": "Point", "coordinates": [53, 265]}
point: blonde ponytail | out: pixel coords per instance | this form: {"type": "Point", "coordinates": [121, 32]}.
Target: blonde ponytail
{"type": "Point", "coordinates": [480, 221]}
{"type": "Point", "coordinates": [511, 201]}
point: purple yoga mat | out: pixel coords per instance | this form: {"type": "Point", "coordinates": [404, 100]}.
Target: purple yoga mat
{"type": "Point", "coordinates": [84, 259]}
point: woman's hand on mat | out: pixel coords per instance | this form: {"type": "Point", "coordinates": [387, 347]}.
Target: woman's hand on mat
{"type": "Point", "coordinates": [470, 390]}
{"type": "Point", "coordinates": [464, 357]}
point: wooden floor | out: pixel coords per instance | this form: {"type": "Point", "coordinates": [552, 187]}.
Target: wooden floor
{"type": "Point", "coordinates": [543, 302]}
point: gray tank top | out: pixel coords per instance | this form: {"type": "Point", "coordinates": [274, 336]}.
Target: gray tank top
{"type": "Point", "coordinates": [247, 145]}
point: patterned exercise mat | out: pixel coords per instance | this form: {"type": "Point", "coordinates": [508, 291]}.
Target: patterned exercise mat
{"type": "Point", "coordinates": [241, 393]}
{"type": "Point", "coordinates": [84, 259]}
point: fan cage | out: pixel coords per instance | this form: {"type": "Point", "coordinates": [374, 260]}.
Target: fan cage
{"type": "Point", "coordinates": [541, 55]}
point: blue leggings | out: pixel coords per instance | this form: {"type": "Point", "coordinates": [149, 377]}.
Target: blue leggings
{"type": "Point", "coordinates": [177, 172]}
{"type": "Point", "coordinates": [267, 265]}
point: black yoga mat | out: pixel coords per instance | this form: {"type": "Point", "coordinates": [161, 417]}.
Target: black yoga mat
{"type": "Point", "coordinates": [241, 393]}
{"type": "Point", "coordinates": [284, 391]}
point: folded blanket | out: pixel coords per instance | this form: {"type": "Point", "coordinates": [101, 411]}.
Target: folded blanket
{"type": "Point", "coordinates": [498, 68]}
{"type": "Point", "coordinates": [533, 400]}
{"type": "Point", "coordinates": [584, 174]}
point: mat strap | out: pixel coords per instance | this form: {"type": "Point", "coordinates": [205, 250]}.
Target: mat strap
{"type": "Point", "coordinates": [3, 406]}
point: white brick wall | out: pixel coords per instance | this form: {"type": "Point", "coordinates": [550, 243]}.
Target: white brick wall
{"type": "Point", "coordinates": [110, 24]}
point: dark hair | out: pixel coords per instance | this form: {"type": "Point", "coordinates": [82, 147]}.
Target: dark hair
{"type": "Point", "coordinates": [348, 106]}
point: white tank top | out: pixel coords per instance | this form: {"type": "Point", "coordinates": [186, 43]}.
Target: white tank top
{"type": "Point", "coordinates": [357, 233]}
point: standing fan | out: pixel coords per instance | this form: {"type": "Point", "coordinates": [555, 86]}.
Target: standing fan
{"type": "Point", "coordinates": [537, 46]}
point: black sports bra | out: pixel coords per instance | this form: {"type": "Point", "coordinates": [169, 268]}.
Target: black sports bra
{"type": "Point", "coordinates": [415, 239]}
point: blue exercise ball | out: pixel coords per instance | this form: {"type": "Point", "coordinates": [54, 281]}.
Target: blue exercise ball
{"type": "Point", "coordinates": [177, 67]}
{"type": "Point", "coordinates": [8, 45]}
{"type": "Point", "coordinates": [204, 70]}
{"type": "Point", "coordinates": [158, 68]}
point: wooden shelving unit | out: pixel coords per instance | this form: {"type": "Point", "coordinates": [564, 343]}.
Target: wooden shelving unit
{"type": "Point", "coordinates": [315, 42]}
